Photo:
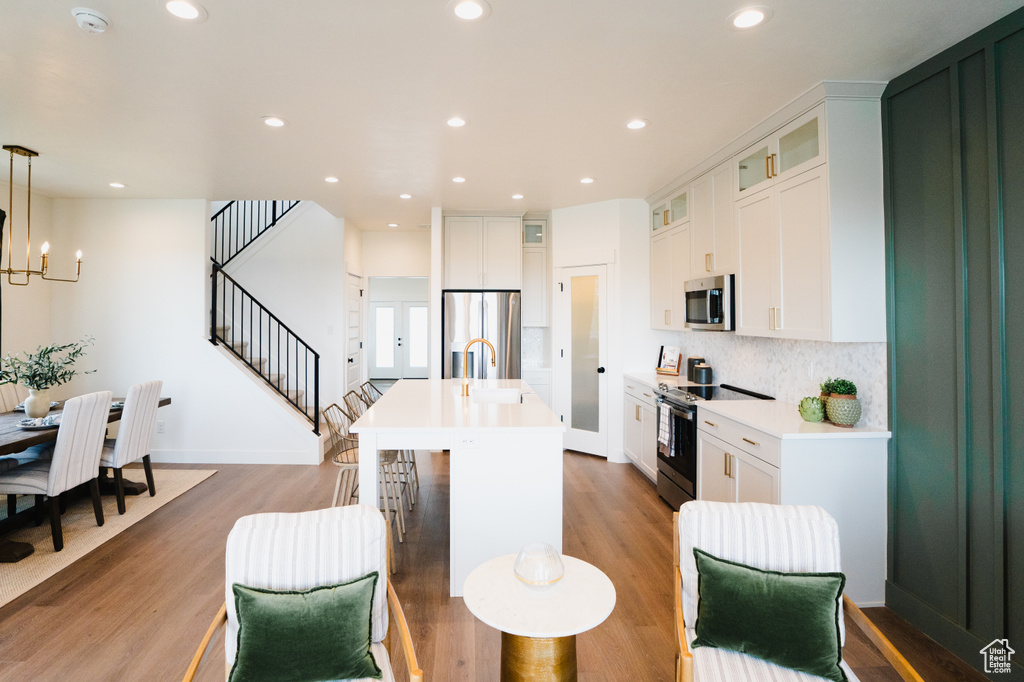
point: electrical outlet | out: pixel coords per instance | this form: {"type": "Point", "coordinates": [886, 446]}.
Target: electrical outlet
{"type": "Point", "coordinates": [467, 442]}
{"type": "Point", "coordinates": [810, 370]}
{"type": "Point", "coordinates": [160, 426]}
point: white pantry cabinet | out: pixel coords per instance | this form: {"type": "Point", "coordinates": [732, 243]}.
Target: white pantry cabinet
{"type": "Point", "coordinates": [483, 252]}
{"type": "Point", "coordinates": [640, 428]}
{"type": "Point", "coordinates": [670, 268]}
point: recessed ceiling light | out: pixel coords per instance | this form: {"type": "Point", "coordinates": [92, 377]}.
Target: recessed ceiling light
{"type": "Point", "coordinates": [749, 17]}
{"type": "Point", "coordinates": [118, 185]}
{"type": "Point", "coordinates": [330, 178]}
{"type": "Point", "coordinates": [470, 10]}
{"type": "Point", "coordinates": [185, 9]}
{"type": "Point", "coordinates": [587, 181]}
{"type": "Point", "coordinates": [637, 124]}
{"type": "Point", "coordinates": [460, 179]}
{"type": "Point", "coordinates": [456, 122]}
{"type": "Point", "coordinates": [392, 224]}
{"type": "Point", "coordinates": [517, 196]}
{"type": "Point", "coordinates": [405, 196]}
{"type": "Point", "coordinates": [274, 121]}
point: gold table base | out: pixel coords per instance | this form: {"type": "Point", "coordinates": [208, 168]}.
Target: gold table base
{"type": "Point", "coordinates": [538, 659]}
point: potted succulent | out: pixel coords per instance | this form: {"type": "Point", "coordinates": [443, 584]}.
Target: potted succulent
{"type": "Point", "coordinates": [811, 409]}
{"type": "Point", "coordinates": [40, 371]}
{"type": "Point", "coordinates": [843, 407]}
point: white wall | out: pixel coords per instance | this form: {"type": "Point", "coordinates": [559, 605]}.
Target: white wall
{"type": "Point", "coordinates": [143, 297]}
{"type": "Point", "coordinates": [297, 270]}
{"type": "Point", "coordinates": [24, 310]}
{"type": "Point", "coordinates": [396, 254]}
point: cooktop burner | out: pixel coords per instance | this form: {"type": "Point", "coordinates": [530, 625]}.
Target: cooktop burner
{"type": "Point", "coordinates": [693, 394]}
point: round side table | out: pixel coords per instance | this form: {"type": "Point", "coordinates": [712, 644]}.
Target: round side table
{"type": "Point", "coordinates": [539, 624]}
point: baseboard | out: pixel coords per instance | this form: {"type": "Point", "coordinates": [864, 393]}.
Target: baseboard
{"type": "Point", "coordinates": [235, 457]}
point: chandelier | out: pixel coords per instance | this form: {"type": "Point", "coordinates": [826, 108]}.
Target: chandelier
{"type": "Point", "coordinates": [44, 251]}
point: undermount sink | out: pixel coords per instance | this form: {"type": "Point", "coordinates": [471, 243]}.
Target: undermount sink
{"type": "Point", "coordinates": [495, 395]}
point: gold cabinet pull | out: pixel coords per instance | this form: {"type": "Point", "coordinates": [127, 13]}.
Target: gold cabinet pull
{"type": "Point", "coordinates": [768, 166]}
{"type": "Point", "coordinates": [725, 465]}
{"type": "Point", "coordinates": [778, 318]}
{"type": "Point", "coordinates": [771, 318]}
{"type": "Point", "coordinates": [710, 424]}
{"type": "Point", "coordinates": [637, 412]}
{"type": "Point", "coordinates": [648, 395]}
{"type": "Point", "coordinates": [666, 216]}
{"type": "Point", "coordinates": [668, 317]}
{"type": "Point", "coordinates": [752, 442]}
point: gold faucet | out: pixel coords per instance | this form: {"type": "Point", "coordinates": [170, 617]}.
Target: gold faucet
{"type": "Point", "coordinates": [465, 364]}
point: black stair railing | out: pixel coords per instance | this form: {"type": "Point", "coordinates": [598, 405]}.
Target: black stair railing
{"type": "Point", "coordinates": [240, 223]}
{"type": "Point", "coordinates": [265, 344]}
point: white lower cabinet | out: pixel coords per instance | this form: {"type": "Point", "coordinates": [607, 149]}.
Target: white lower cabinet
{"type": "Point", "coordinates": [726, 473]}
{"type": "Point", "coordinates": [640, 428]}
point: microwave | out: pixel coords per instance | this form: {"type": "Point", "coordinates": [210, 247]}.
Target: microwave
{"type": "Point", "coordinates": [709, 303]}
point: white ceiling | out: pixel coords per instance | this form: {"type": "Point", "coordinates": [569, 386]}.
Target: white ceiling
{"type": "Point", "coordinates": [173, 109]}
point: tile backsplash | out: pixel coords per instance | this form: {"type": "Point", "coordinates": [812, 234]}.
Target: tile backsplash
{"type": "Point", "coordinates": [790, 370]}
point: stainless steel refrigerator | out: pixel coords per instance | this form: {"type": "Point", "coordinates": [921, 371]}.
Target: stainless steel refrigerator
{"type": "Point", "coordinates": [491, 315]}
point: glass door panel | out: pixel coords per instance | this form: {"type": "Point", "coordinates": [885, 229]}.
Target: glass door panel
{"type": "Point", "coordinates": [678, 207]}
{"type": "Point", "coordinates": [586, 389]}
{"type": "Point", "coordinates": [384, 341]}
{"type": "Point", "coordinates": [798, 146]}
{"type": "Point", "coordinates": [533, 233]}
{"type": "Point", "coordinates": [754, 169]}
{"type": "Point", "coordinates": [413, 343]}
{"type": "Point", "coordinates": [658, 217]}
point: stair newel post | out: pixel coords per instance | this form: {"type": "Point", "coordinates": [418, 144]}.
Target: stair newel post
{"type": "Point", "coordinates": [213, 306]}
{"type": "Point", "coordinates": [316, 393]}
{"type": "Point", "coordinates": [273, 211]}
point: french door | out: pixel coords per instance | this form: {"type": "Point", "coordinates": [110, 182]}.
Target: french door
{"type": "Point", "coordinates": [583, 348]}
{"type": "Point", "coordinates": [354, 333]}
{"type": "Point", "coordinates": [398, 340]}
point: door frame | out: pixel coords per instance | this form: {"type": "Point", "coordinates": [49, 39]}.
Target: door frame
{"type": "Point", "coordinates": [594, 443]}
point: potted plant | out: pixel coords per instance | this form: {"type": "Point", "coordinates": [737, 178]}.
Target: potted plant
{"type": "Point", "coordinates": [843, 406]}
{"type": "Point", "coordinates": [826, 391]}
{"type": "Point", "coordinates": [40, 371]}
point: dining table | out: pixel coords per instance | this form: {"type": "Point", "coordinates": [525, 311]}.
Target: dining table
{"type": "Point", "coordinates": [15, 439]}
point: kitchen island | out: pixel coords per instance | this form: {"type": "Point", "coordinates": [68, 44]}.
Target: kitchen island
{"type": "Point", "coordinates": [506, 462]}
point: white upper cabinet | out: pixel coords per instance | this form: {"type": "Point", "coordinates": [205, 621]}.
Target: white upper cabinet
{"type": "Point", "coordinates": [679, 207]}
{"type": "Point", "coordinates": [670, 268]}
{"type": "Point", "coordinates": [661, 215]}
{"type": "Point", "coordinates": [712, 223]}
{"type": "Point", "coordinates": [794, 148]}
{"type": "Point", "coordinates": [535, 233]}
{"type": "Point", "coordinates": [483, 252]}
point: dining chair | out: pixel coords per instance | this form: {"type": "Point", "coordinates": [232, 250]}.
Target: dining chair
{"type": "Point", "coordinates": [75, 460]}
{"type": "Point", "coordinates": [133, 436]}
{"type": "Point", "coordinates": [9, 397]}
{"type": "Point", "coordinates": [760, 555]}
{"type": "Point", "coordinates": [309, 553]}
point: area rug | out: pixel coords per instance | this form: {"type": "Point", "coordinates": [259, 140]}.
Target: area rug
{"type": "Point", "coordinates": [82, 535]}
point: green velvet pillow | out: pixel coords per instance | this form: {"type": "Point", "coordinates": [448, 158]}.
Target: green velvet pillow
{"type": "Point", "coordinates": [790, 619]}
{"type": "Point", "coordinates": [322, 633]}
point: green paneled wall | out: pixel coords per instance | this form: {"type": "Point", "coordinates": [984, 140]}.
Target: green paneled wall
{"type": "Point", "coordinates": [954, 155]}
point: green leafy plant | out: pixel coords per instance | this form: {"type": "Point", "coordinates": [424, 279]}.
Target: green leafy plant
{"type": "Point", "coordinates": [844, 387]}
{"type": "Point", "coordinates": [826, 386]}
{"type": "Point", "coordinates": [47, 367]}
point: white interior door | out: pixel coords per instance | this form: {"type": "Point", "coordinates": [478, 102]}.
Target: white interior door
{"type": "Point", "coordinates": [354, 333]}
{"type": "Point", "coordinates": [398, 339]}
{"type": "Point", "coordinates": [583, 357]}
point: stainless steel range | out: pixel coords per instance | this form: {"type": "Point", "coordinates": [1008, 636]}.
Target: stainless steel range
{"type": "Point", "coordinates": [677, 436]}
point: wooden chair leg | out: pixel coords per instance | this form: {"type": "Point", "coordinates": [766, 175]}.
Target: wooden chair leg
{"type": "Point", "coordinates": [55, 529]}
{"type": "Point", "coordinates": [119, 489]}
{"type": "Point", "coordinates": [149, 475]}
{"type": "Point", "coordinates": [63, 497]}
{"type": "Point", "coordinates": [39, 510]}
{"type": "Point", "coordinates": [337, 488]}
{"type": "Point", "coordinates": [97, 503]}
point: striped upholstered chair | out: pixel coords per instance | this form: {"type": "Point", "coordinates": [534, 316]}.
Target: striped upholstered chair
{"type": "Point", "coordinates": [133, 436]}
{"type": "Point", "coordinates": [306, 550]}
{"type": "Point", "coordinates": [785, 538]}
{"type": "Point", "coordinates": [75, 460]}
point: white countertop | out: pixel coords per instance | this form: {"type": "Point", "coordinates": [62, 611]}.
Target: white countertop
{"type": "Point", "coordinates": [428, 404]}
{"type": "Point", "coordinates": [783, 420]}
{"type": "Point", "coordinates": [652, 379]}
{"type": "Point", "coordinates": [581, 600]}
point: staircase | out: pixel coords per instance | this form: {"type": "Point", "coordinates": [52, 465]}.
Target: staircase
{"type": "Point", "coordinates": [244, 326]}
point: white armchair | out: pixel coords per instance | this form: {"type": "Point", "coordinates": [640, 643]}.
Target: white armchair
{"type": "Point", "coordinates": [310, 549]}
{"type": "Point", "coordinates": [783, 538]}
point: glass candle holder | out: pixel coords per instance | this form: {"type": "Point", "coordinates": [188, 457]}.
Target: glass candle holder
{"type": "Point", "coordinates": [538, 564]}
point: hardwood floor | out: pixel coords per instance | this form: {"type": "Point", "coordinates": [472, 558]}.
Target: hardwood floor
{"type": "Point", "coordinates": [136, 608]}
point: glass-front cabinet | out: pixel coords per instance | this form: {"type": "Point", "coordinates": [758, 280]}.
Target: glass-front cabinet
{"type": "Point", "coordinates": [660, 215]}
{"type": "Point", "coordinates": [789, 151]}
{"type": "Point", "coordinates": [534, 232]}
{"type": "Point", "coordinates": [678, 210]}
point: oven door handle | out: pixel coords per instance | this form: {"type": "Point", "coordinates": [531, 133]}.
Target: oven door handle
{"type": "Point", "coordinates": [685, 414]}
